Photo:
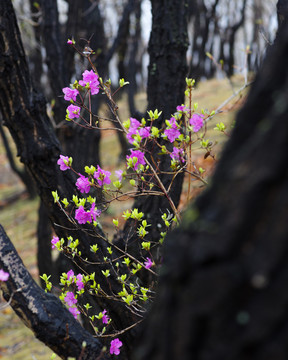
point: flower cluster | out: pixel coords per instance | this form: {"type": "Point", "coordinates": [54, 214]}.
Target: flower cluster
{"type": "Point", "coordinates": [114, 346]}
{"type": "Point", "coordinates": [90, 82]}
{"type": "Point", "coordinates": [136, 128]}
{"type": "Point", "coordinates": [83, 216]}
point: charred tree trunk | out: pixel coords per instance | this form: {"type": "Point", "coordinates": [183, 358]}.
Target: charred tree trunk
{"type": "Point", "coordinates": [166, 85]}
{"type": "Point", "coordinates": [24, 112]}
{"type": "Point", "coordinates": [223, 294]}
{"type": "Point", "coordinates": [43, 313]}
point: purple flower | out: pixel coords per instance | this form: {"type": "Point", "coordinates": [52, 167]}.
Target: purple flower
{"type": "Point", "coordinates": [3, 275]}
{"type": "Point", "coordinates": [177, 154]}
{"type": "Point", "coordinates": [89, 77]}
{"type": "Point", "coordinates": [70, 274]}
{"type": "Point", "coordinates": [102, 176]}
{"type": "Point", "coordinates": [82, 216]}
{"type": "Point", "coordinates": [135, 128]}
{"type": "Point", "coordinates": [144, 132]}
{"type": "Point", "coordinates": [172, 132]}
{"type": "Point", "coordinates": [83, 184]}
{"type": "Point", "coordinates": [70, 94]}
{"type": "Point", "coordinates": [74, 311]}
{"type": "Point", "coordinates": [73, 111]}
{"type": "Point", "coordinates": [114, 346]}
{"type": "Point", "coordinates": [197, 122]}
{"type": "Point", "coordinates": [105, 317]}
{"type": "Point", "coordinates": [119, 174]}
{"type": "Point", "coordinates": [79, 282]}
{"type": "Point", "coordinates": [139, 156]}
{"type": "Point", "coordinates": [70, 298]}
{"type": "Point", "coordinates": [148, 263]}
{"type": "Point", "coordinates": [62, 164]}
{"type": "Point", "coordinates": [94, 212]}
{"type": "Point", "coordinates": [54, 241]}
{"type": "Point", "coordinates": [182, 108]}
{"type": "Point", "coordinates": [70, 42]}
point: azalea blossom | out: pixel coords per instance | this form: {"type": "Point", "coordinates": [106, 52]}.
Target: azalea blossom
{"type": "Point", "coordinates": [90, 78]}
{"type": "Point", "coordinates": [119, 174]}
{"type": "Point", "coordinates": [94, 212]}
{"type": "Point", "coordinates": [62, 164]}
{"type": "Point", "coordinates": [70, 94]}
{"type": "Point", "coordinates": [73, 111]}
{"type": "Point", "coordinates": [54, 241]}
{"type": "Point", "coordinates": [148, 263]}
{"type": "Point", "coordinates": [3, 275]}
{"type": "Point", "coordinates": [70, 274]}
{"type": "Point", "coordinates": [83, 184]}
{"type": "Point", "coordinates": [105, 317]}
{"type": "Point", "coordinates": [172, 132]}
{"type": "Point", "coordinates": [139, 156]}
{"type": "Point", "coordinates": [114, 346]}
{"type": "Point", "coordinates": [70, 298]}
{"type": "Point", "coordinates": [102, 176]}
{"type": "Point", "coordinates": [182, 108]}
{"type": "Point", "coordinates": [197, 122]}
{"type": "Point", "coordinates": [177, 154]}
{"type": "Point", "coordinates": [81, 215]}
{"type": "Point", "coordinates": [79, 282]}
{"type": "Point", "coordinates": [74, 311]}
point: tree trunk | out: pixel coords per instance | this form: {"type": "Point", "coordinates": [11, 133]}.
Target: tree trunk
{"type": "Point", "coordinates": [25, 115]}
{"type": "Point", "coordinates": [223, 291]}
{"type": "Point", "coordinates": [166, 85]}
{"type": "Point", "coordinates": [43, 313]}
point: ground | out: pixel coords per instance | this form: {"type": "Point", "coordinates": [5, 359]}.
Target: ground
{"type": "Point", "coordinates": [19, 217]}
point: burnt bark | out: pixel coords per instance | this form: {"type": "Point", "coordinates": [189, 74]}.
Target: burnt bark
{"type": "Point", "coordinates": [24, 112]}
{"type": "Point", "coordinates": [43, 313]}
{"type": "Point", "coordinates": [222, 293]}
{"type": "Point", "coordinates": [166, 85]}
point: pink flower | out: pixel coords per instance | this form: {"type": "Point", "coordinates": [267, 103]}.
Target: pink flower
{"type": "Point", "coordinates": [83, 184]}
{"type": "Point", "coordinates": [177, 154]}
{"type": "Point", "coordinates": [70, 274]}
{"type": "Point", "coordinates": [70, 42]}
{"type": "Point", "coordinates": [105, 317]}
{"type": "Point", "coordinates": [182, 108]}
{"type": "Point", "coordinates": [82, 216]}
{"type": "Point", "coordinates": [70, 94]}
{"type": "Point", "coordinates": [74, 311]}
{"type": "Point", "coordinates": [94, 212]}
{"type": "Point", "coordinates": [139, 156]}
{"type": "Point", "coordinates": [148, 263]}
{"type": "Point", "coordinates": [89, 77]}
{"type": "Point", "coordinates": [70, 298]}
{"type": "Point", "coordinates": [102, 176]}
{"type": "Point", "coordinates": [144, 132]}
{"type": "Point", "coordinates": [135, 128]}
{"type": "Point", "coordinates": [79, 282]}
{"type": "Point", "coordinates": [3, 275]}
{"type": "Point", "coordinates": [172, 132]}
{"type": "Point", "coordinates": [197, 122]}
{"type": "Point", "coordinates": [119, 174]}
{"type": "Point", "coordinates": [114, 346]}
{"type": "Point", "coordinates": [54, 241]}
{"type": "Point", "coordinates": [73, 111]}
{"type": "Point", "coordinates": [62, 164]}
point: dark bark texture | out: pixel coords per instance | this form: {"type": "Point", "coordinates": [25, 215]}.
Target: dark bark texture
{"type": "Point", "coordinates": [223, 290]}
{"type": "Point", "coordinates": [43, 313]}
{"type": "Point", "coordinates": [24, 113]}
{"type": "Point", "coordinates": [166, 85]}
